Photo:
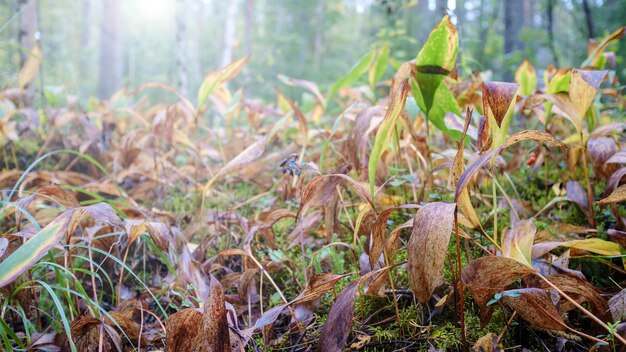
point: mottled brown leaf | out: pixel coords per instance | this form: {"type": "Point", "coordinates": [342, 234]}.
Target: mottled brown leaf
{"type": "Point", "coordinates": [619, 195]}
{"type": "Point", "coordinates": [320, 189]}
{"type": "Point", "coordinates": [487, 275]}
{"type": "Point", "coordinates": [601, 149]}
{"type": "Point", "coordinates": [427, 247]}
{"type": "Point", "coordinates": [535, 306]}
{"type": "Point", "coordinates": [337, 328]}
{"type": "Point", "coordinates": [380, 230]}
{"type": "Point", "coordinates": [498, 98]}
{"type": "Point", "coordinates": [181, 329]}
{"type": "Point", "coordinates": [617, 305]}
{"type": "Point", "coordinates": [582, 291]}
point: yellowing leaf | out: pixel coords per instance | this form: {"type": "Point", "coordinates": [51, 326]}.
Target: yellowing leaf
{"type": "Point", "coordinates": [517, 243]}
{"type": "Point", "coordinates": [31, 67]}
{"type": "Point", "coordinates": [383, 135]}
{"type": "Point", "coordinates": [216, 78]}
{"type": "Point", "coordinates": [526, 77]}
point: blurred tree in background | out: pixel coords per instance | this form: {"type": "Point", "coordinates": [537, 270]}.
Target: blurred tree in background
{"type": "Point", "coordinates": [95, 47]}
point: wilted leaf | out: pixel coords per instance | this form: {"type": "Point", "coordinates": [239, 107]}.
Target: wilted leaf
{"type": "Point", "coordinates": [308, 85]}
{"type": "Point", "coordinates": [427, 246]}
{"type": "Point", "coordinates": [526, 77]}
{"type": "Point", "coordinates": [216, 78]}
{"type": "Point", "coordinates": [595, 55]}
{"type": "Point", "coordinates": [535, 306]}
{"type": "Point", "coordinates": [213, 335]}
{"type": "Point", "coordinates": [250, 154]}
{"type": "Point", "coordinates": [537, 136]}
{"type": "Point", "coordinates": [37, 246]}
{"type": "Point", "coordinates": [498, 97]}
{"type": "Point", "coordinates": [380, 230]}
{"type": "Point", "coordinates": [181, 329]}
{"type": "Point", "coordinates": [487, 275]}
{"type": "Point", "coordinates": [618, 158]}
{"type": "Point", "coordinates": [319, 190]}
{"type": "Point", "coordinates": [617, 305]}
{"type": "Point", "coordinates": [601, 149]}
{"type": "Point", "coordinates": [593, 245]}
{"type": "Point", "coordinates": [577, 194]}
{"type": "Point", "coordinates": [583, 87]}
{"type": "Point", "coordinates": [317, 286]}
{"type": "Point", "coordinates": [614, 181]}
{"type": "Point", "coordinates": [386, 128]}
{"type": "Point", "coordinates": [582, 291]}
{"type": "Point", "coordinates": [335, 332]}
{"type": "Point", "coordinates": [517, 243]}
{"type": "Point", "coordinates": [619, 195]}
{"type": "Point", "coordinates": [458, 166]}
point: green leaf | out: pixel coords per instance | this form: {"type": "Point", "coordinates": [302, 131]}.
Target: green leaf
{"type": "Point", "coordinates": [441, 47]}
{"type": "Point", "coordinates": [353, 75]}
{"type": "Point", "coordinates": [445, 103]}
{"type": "Point", "coordinates": [380, 66]}
{"type": "Point", "coordinates": [526, 77]}
{"type": "Point", "coordinates": [397, 101]}
{"type": "Point", "coordinates": [436, 60]}
{"type": "Point", "coordinates": [30, 252]}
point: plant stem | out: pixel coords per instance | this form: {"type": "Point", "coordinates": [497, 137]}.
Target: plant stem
{"type": "Point", "coordinates": [586, 171]}
{"type": "Point", "coordinates": [460, 282]}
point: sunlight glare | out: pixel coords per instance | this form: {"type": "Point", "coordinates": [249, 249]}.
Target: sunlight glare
{"type": "Point", "coordinates": [156, 9]}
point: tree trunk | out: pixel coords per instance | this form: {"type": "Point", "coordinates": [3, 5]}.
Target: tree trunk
{"type": "Point", "coordinates": [318, 45]}
{"type": "Point", "coordinates": [181, 46]}
{"type": "Point", "coordinates": [442, 8]}
{"type": "Point", "coordinates": [588, 19]}
{"type": "Point", "coordinates": [550, 15]}
{"type": "Point", "coordinates": [230, 32]}
{"type": "Point", "coordinates": [28, 28]}
{"type": "Point", "coordinates": [27, 38]}
{"type": "Point", "coordinates": [460, 13]}
{"type": "Point", "coordinates": [111, 46]}
{"type": "Point", "coordinates": [513, 22]}
{"type": "Point", "coordinates": [85, 41]}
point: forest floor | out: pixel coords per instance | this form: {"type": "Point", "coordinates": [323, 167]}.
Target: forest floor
{"type": "Point", "coordinates": [421, 212]}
